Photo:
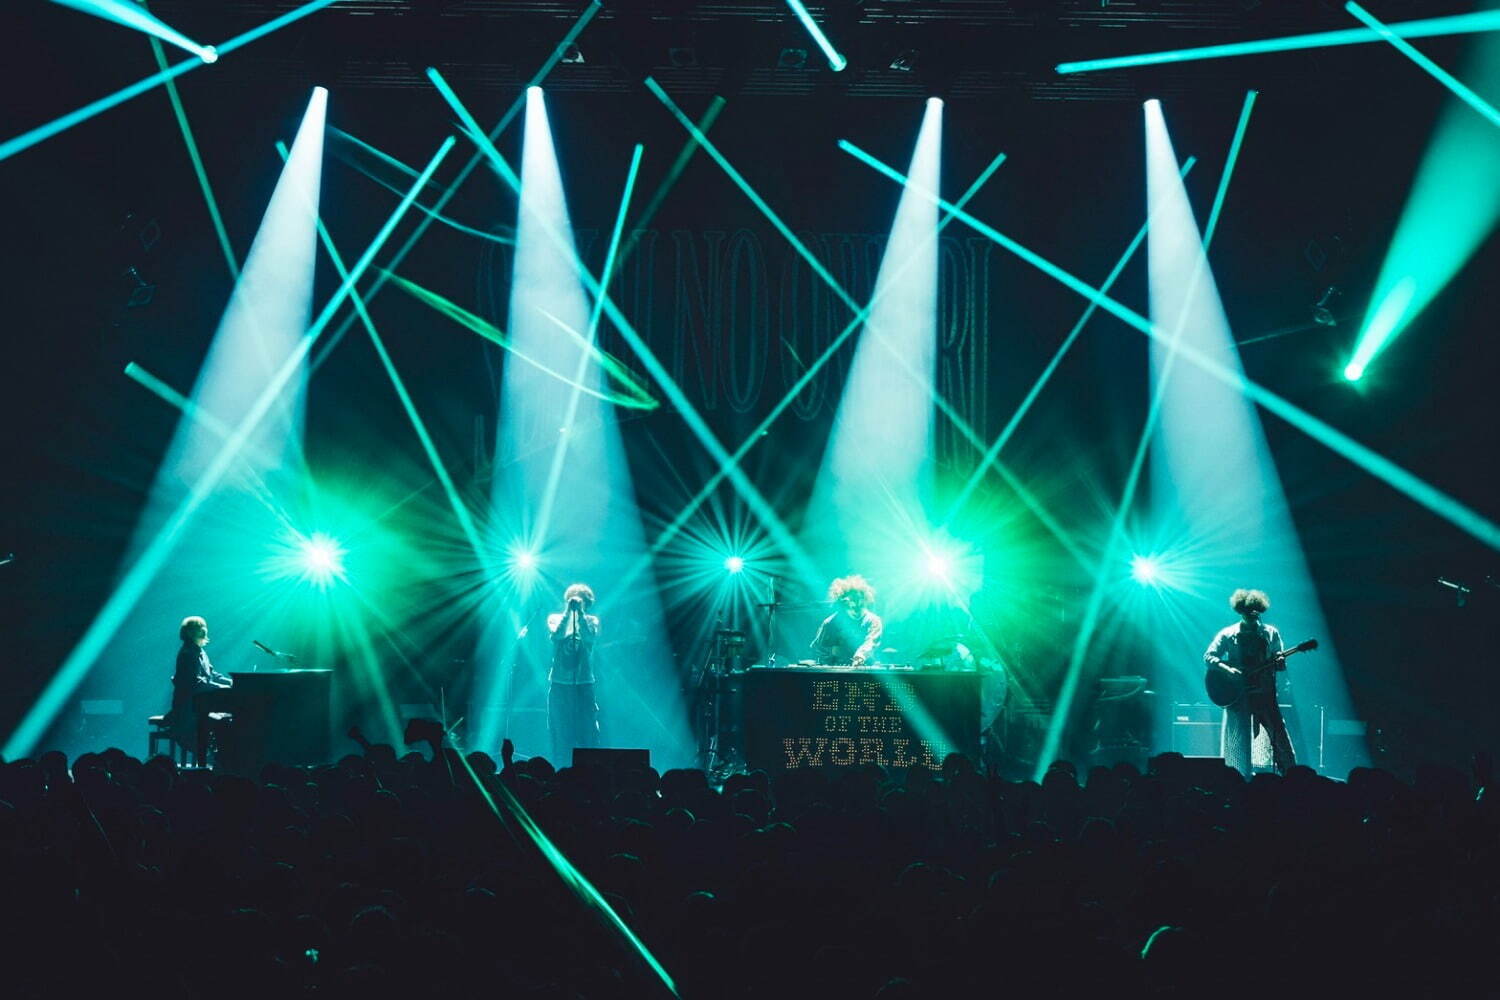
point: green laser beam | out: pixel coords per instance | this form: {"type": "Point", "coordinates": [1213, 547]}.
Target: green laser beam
{"type": "Point", "coordinates": [810, 372]}
{"type": "Point", "coordinates": [1447, 79]}
{"type": "Point", "coordinates": [477, 158]}
{"type": "Point", "coordinates": [133, 584]}
{"type": "Point", "coordinates": [1006, 432]}
{"type": "Point", "coordinates": [396, 164]}
{"type": "Point", "coordinates": [1460, 515]}
{"type": "Point", "coordinates": [843, 294]}
{"type": "Point", "coordinates": [42, 133]}
{"type": "Point", "coordinates": [684, 156]}
{"type": "Point", "coordinates": [635, 398]}
{"type": "Point", "coordinates": [1106, 571]}
{"type": "Point", "coordinates": [1234, 154]}
{"type": "Point", "coordinates": [197, 159]}
{"type": "Point", "coordinates": [560, 450]}
{"type": "Point", "coordinates": [198, 415]}
{"type": "Point", "coordinates": [574, 879]}
{"type": "Point", "coordinates": [690, 415]}
{"type": "Point", "coordinates": [1426, 28]}
{"type": "Point", "coordinates": [429, 447]}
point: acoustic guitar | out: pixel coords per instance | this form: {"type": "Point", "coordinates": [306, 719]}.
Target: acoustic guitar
{"type": "Point", "coordinates": [1225, 686]}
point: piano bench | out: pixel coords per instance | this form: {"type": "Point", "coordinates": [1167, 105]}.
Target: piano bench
{"type": "Point", "coordinates": [160, 734]}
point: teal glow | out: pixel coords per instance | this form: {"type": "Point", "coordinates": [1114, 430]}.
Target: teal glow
{"type": "Point", "coordinates": [139, 576]}
{"type": "Point", "coordinates": [1426, 28]}
{"type": "Point", "coordinates": [1435, 500]}
{"type": "Point", "coordinates": [1442, 76]}
{"type": "Point", "coordinates": [1391, 312]}
{"type": "Point", "coordinates": [42, 133]}
{"type": "Point", "coordinates": [734, 564]}
{"type": "Point", "coordinates": [1451, 211]}
{"type": "Point", "coordinates": [1144, 570]}
{"type": "Point", "coordinates": [322, 558]}
{"type": "Point", "coordinates": [469, 167]}
{"type": "Point", "coordinates": [836, 61]}
{"type": "Point", "coordinates": [135, 16]}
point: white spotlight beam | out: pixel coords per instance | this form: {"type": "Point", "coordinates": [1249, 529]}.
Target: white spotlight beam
{"type": "Point", "coordinates": [874, 486]}
{"type": "Point", "coordinates": [585, 357]}
{"type": "Point", "coordinates": [42, 133]}
{"type": "Point", "coordinates": [843, 294]}
{"type": "Point", "coordinates": [747, 490]}
{"type": "Point", "coordinates": [133, 16]}
{"type": "Point", "coordinates": [135, 581]}
{"type": "Point", "coordinates": [469, 167]}
{"type": "Point", "coordinates": [1459, 514]}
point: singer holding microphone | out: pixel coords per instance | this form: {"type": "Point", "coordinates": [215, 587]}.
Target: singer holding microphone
{"type": "Point", "coordinates": [572, 713]}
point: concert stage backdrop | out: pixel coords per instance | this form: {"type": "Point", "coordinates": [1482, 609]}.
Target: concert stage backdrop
{"type": "Point", "coordinates": [113, 261]}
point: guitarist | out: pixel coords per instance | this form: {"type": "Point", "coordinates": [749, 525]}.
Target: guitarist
{"type": "Point", "coordinates": [1253, 649]}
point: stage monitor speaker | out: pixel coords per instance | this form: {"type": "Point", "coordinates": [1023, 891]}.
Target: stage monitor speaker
{"type": "Point", "coordinates": [610, 759]}
{"type": "Point", "coordinates": [1196, 729]}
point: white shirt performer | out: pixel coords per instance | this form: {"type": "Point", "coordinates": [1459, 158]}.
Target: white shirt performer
{"type": "Point", "coordinates": [572, 712]}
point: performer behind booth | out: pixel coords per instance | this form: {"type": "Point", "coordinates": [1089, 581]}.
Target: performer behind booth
{"type": "Point", "coordinates": [572, 713]}
{"type": "Point", "coordinates": [1245, 648]}
{"type": "Point", "coordinates": [851, 634]}
{"type": "Point", "coordinates": [194, 674]}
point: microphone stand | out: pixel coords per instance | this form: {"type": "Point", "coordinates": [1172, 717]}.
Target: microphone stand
{"type": "Point", "coordinates": [770, 608]}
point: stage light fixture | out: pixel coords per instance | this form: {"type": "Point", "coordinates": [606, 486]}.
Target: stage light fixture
{"type": "Point", "coordinates": [572, 55]}
{"type": "Point", "coordinates": [937, 566]}
{"type": "Point", "coordinates": [791, 59]}
{"type": "Point", "coordinates": [1145, 571]}
{"type": "Point", "coordinates": [524, 560]}
{"type": "Point", "coordinates": [322, 559]}
{"type": "Point", "coordinates": [682, 56]}
{"type": "Point", "coordinates": [905, 61]}
{"type": "Point", "coordinates": [734, 564]}
{"type": "Point", "coordinates": [836, 61]}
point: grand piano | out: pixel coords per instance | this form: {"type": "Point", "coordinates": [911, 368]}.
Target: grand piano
{"type": "Point", "coordinates": [280, 716]}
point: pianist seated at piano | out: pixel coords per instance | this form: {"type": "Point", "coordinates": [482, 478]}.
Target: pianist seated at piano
{"type": "Point", "coordinates": [194, 675]}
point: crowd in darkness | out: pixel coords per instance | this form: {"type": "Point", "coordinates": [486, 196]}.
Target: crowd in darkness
{"type": "Point", "coordinates": [395, 876]}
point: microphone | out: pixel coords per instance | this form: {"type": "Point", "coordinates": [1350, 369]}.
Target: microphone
{"type": "Point", "coordinates": [262, 647]}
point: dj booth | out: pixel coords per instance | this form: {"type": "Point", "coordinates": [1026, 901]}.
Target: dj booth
{"type": "Point", "coordinates": [833, 717]}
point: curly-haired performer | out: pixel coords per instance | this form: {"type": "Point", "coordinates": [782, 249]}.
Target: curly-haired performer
{"type": "Point", "coordinates": [1242, 648]}
{"type": "Point", "coordinates": [852, 632]}
{"type": "Point", "coordinates": [572, 713]}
